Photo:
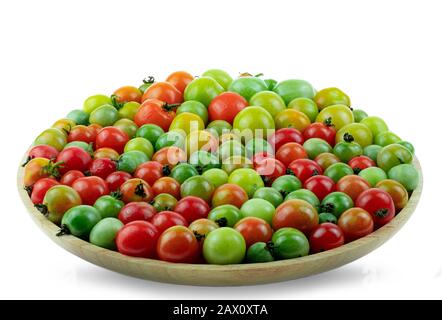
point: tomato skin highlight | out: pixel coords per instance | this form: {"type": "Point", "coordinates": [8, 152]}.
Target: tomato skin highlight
{"type": "Point", "coordinates": [137, 239]}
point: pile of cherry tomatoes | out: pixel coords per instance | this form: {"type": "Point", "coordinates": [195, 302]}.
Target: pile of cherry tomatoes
{"type": "Point", "coordinates": [217, 170]}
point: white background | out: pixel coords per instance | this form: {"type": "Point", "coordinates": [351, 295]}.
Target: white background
{"type": "Point", "coordinates": [385, 54]}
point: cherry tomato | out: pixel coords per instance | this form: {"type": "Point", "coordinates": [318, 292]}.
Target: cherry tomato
{"type": "Point", "coordinates": [151, 171]}
{"type": "Point", "coordinates": [170, 156]}
{"type": "Point", "coordinates": [59, 199]}
{"type": "Point", "coordinates": [106, 153]}
{"type": "Point", "coordinates": [74, 158]}
{"type": "Point", "coordinates": [82, 133]}
{"type": "Point", "coordinates": [40, 188]}
{"type": "Point", "coordinates": [392, 156]}
{"type": "Point", "coordinates": [165, 219]}
{"type": "Point", "coordinates": [69, 177]}
{"type": "Point", "coordinates": [102, 167]}
{"type": "Point", "coordinates": [137, 239]}
{"type": "Point", "coordinates": [268, 100]}
{"type": "Point", "coordinates": [320, 185]}
{"type": "Point", "coordinates": [65, 125]}
{"type": "Point", "coordinates": [355, 223]}
{"type": "Point", "coordinates": [95, 128]}
{"type": "Point", "coordinates": [108, 206]}
{"type": "Point", "coordinates": [248, 179]}
{"type": "Point", "coordinates": [326, 159]}
{"type": "Point", "coordinates": [352, 185]}
{"type": "Point", "coordinates": [39, 168]}
{"type": "Point", "coordinates": [298, 214]}
{"type": "Point", "coordinates": [224, 246]}
{"type": "Point", "coordinates": [338, 170]}
{"type": "Point", "coordinates": [183, 171]}
{"type": "Point", "coordinates": [192, 208]}
{"type": "Point", "coordinates": [306, 195]}
{"type": "Point", "coordinates": [325, 237]}
{"type": "Point", "coordinates": [90, 189]}
{"type": "Point", "coordinates": [154, 111]}
{"type": "Point", "coordinates": [167, 185]}
{"type": "Point", "coordinates": [134, 211]}
{"type": "Point", "coordinates": [360, 163]}
{"type": "Point", "coordinates": [220, 76]}
{"type": "Point", "coordinates": [164, 202]}
{"type": "Point", "coordinates": [52, 137]}
{"type": "Point", "coordinates": [375, 124]}
{"type": "Point", "coordinates": [270, 169]}
{"type": "Point", "coordinates": [304, 169]}
{"type": "Point", "coordinates": [225, 215]}
{"type": "Point", "coordinates": [103, 234]}
{"type": "Point", "coordinates": [135, 190]}
{"type": "Point", "coordinates": [306, 106]}
{"type": "Point", "coordinates": [285, 135]}
{"type": "Point", "coordinates": [254, 230]}
{"type": "Point", "coordinates": [178, 244]}
{"type": "Point", "coordinates": [229, 194]}
{"type": "Point", "coordinates": [338, 115]}
{"type": "Point", "coordinates": [397, 192]}
{"type": "Point", "coordinates": [79, 221]}
{"type": "Point", "coordinates": [202, 227]}
{"type": "Point", "coordinates": [324, 131]}
{"type": "Point", "coordinates": [258, 157]}
{"type": "Point", "coordinates": [251, 120]}
{"type": "Point", "coordinates": [289, 152]}
{"type": "Point", "coordinates": [292, 89]}
{"type": "Point", "coordinates": [180, 80]}
{"type": "Point", "coordinates": [111, 137]}
{"type": "Point", "coordinates": [226, 106]}
{"type": "Point", "coordinates": [286, 184]}
{"type": "Point", "coordinates": [203, 89]}
{"type": "Point", "coordinates": [198, 186]}
{"type": "Point", "coordinates": [331, 96]}
{"type": "Point", "coordinates": [316, 146]}
{"type": "Point", "coordinates": [260, 252]}
{"type": "Point", "coordinates": [247, 86]}
{"type": "Point", "coordinates": [128, 94]}
{"type": "Point", "coordinates": [379, 204]}
{"type": "Point", "coordinates": [43, 151]}
{"type": "Point", "coordinates": [373, 175]}
{"type": "Point", "coordinates": [194, 107]}
{"type": "Point", "coordinates": [360, 132]}
{"type": "Point", "coordinates": [163, 91]}
{"type": "Point", "coordinates": [290, 243]}
{"type": "Point", "coordinates": [116, 179]}
{"type": "Point", "coordinates": [291, 118]}
{"type": "Point", "coordinates": [406, 174]}
{"type": "Point", "coordinates": [336, 203]}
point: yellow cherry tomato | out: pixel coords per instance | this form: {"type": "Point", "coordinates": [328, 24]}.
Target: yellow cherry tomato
{"type": "Point", "coordinates": [360, 132]}
{"type": "Point", "coordinates": [187, 122]}
{"type": "Point", "coordinates": [339, 114]}
{"type": "Point", "coordinates": [291, 118]}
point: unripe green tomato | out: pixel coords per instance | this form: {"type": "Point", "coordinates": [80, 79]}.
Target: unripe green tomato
{"type": "Point", "coordinates": [53, 137]}
{"type": "Point", "coordinates": [183, 171]}
{"type": "Point", "coordinates": [203, 89]}
{"type": "Point", "coordinates": [233, 163]}
{"type": "Point", "coordinates": [316, 146]}
{"type": "Point", "coordinates": [150, 132]}
{"type": "Point", "coordinates": [198, 186]}
{"type": "Point", "coordinates": [327, 217]}
{"type": "Point", "coordinates": [220, 76]}
{"type": "Point", "coordinates": [81, 144]}
{"type": "Point", "coordinates": [103, 234]}
{"type": "Point", "coordinates": [93, 102]}
{"type": "Point", "coordinates": [385, 138]}
{"type": "Point", "coordinates": [359, 115]}
{"type": "Point", "coordinates": [248, 179]}
{"type": "Point", "coordinates": [290, 243]}
{"type": "Point", "coordinates": [140, 144]}
{"type": "Point", "coordinates": [336, 203]}
{"type": "Point", "coordinates": [292, 89]}
{"type": "Point", "coordinates": [405, 174]}
{"type": "Point", "coordinates": [257, 145]}
{"type": "Point", "coordinates": [129, 110]}
{"type": "Point", "coordinates": [339, 114]}
{"type": "Point", "coordinates": [407, 145]}
{"type": "Point", "coordinates": [225, 215]}
{"type": "Point", "coordinates": [80, 220]}
{"type": "Point", "coordinates": [258, 208]}
{"type": "Point", "coordinates": [360, 132]}
{"type": "Point", "coordinates": [247, 86]}
{"type": "Point", "coordinates": [253, 120]}
{"type": "Point", "coordinates": [230, 148]}
{"type": "Point", "coordinates": [224, 246]}
{"type": "Point", "coordinates": [375, 124]}
{"type": "Point", "coordinates": [347, 150]}
{"type": "Point", "coordinates": [306, 195]}
{"type": "Point", "coordinates": [337, 171]}
{"type": "Point", "coordinates": [216, 176]}
{"type": "Point", "coordinates": [393, 155]}
{"type": "Point", "coordinates": [129, 161]}
{"type": "Point", "coordinates": [203, 160]}
{"type": "Point", "coordinates": [331, 96]}
{"type": "Point", "coordinates": [269, 194]}
{"type": "Point", "coordinates": [259, 252]}
{"type": "Point", "coordinates": [195, 107]}
{"type": "Point", "coordinates": [306, 106]}
{"type": "Point", "coordinates": [372, 151]}
{"type": "Point", "coordinates": [79, 116]}
{"type": "Point", "coordinates": [105, 116]}
{"type": "Point", "coordinates": [286, 184]}
{"type": "Point", "coordinates": [373, 175]}
{"type": "Point", "coordinates": [127, 126]}
{"type": "Point", "coordinates": [219, 126]}
{"type": "Point", "coordinates": [108, 206]}
{"type": "Point", "coordinates": [170, 138]}
{"type": "Point", "coordinates": [268, 100]}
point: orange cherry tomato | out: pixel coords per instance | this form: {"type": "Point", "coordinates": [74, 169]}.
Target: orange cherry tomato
{"type": "Point", "coordinates": [229, 193]}
{"type": "Point", "coordinates": [180, 79]}
{"type": "Point", "coordinates": [396, 190]}
{"type": "Point", "coordinates": [167, 185]}
{"type": "Point", "coordinates": [170, 156]}
{"type": "Point", "coordinates": [136, 190]}
{"type": "Point", "coordinates": [163, 91]}
{"type": "Point", "coordinates": [355, 223]}
{"type": "Point", "coordinates": [295, 213]}
{"type": "Point", "coordinates": [39, 168]}
{"type": "Point", "coordinates": [254, 230]}
{"type": "Point", "coordinates": [106, 153]}
{"type": "Point", "coordinates": [127, 94]}
{"type": "Point", "coordinates": [156, 112]}
{"type": "Point", "coordinates": [352, 185]}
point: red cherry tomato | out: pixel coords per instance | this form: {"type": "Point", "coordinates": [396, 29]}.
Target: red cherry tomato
{"type": "Point", "coordinates": [95, 128]}
{"type": "Point", "coordinates": [226, 106]}
{"type": "Point", "coordinates": [82, 133]}
{"type": "Point", "coordinates": [229, 193]}
{"type": "Point", "coordinates": [69, 177]}
{"type": "Point", "coordinates": [134, 190]}
{"type": "Point", "coordinates": [151, 171]}
{"type": "Point", "coordinates": [170, 156]}
{"type": "Point", "coordinates": [298, 214]}
{"type": "Point", "coordinates": [137, 239]}
{"type": "Point", "coordinates": [285, 135]}
{"type": "Point", "coordinates": [192, 208]}
{"type": "Point", "coordinates": [134, 211]}
{"type": "Point", "coordinates": [167, 185]}
{"type": "Point", "coordinates": [90, 189]}
{"type": "Point", "coordinates": [352, 185]}
{"type": "Point", "coordinates": [102, 167]}
{"type": "Point", "coordinates": [178, 244]}
{"type": "Point", "coordinates": [258, 157]}
{"type": "Point", "coordinates": [355, 223]}
{"type": "Point", "coordinates": [289, 152]}
{"type": "Point", "coordinates": [326, 236]}
{"type": "Point", "coordinates": [320, 185]}
{"type": "Point", "coordinates": [156, 112]}
{"type": "Point", "coordinates": [163, 91]}
{"type": "Point", "coordinates": [304, 169]}
{"type": "Point", "coordinates": [165, 219]}
{"type": "Point", "coordinates": [322, 131]}
{"type": "Point", "coordinates": [112, 137]}
{"type": "Point", "coordinates": [127, 94]}
{"type": "Point", "coordinates": [379, 204]}
{"type": "Point", "coordinates": [360, 163]}
{"type": "Point", "coordinates": [254, 230]}
{"type": "Point", "coordinates": [43, 151]}
{"type": "Point", "coordinates": [74, 158]}
{"type": "Point", "coordinates": [40, 187]}
{"type": "Point", "coordinates": [270, 169]}
{"type": "Point", "coordinates": [116, 179]}
{"type": "Point", "coordinates": [180, 80]}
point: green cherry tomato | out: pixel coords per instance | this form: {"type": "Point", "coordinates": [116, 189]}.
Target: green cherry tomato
{"type": "Point", "coordinates": [258, 208]}
{"type": "Point", "coordinates": [340, 115]}
{"type": "Point", "coordinates": [216, 176]}
{"type": "Point", "coordinates": [198, 186]}
{"type": "Point", "coordinates": [52, 137]}
{"type": "Point", "coordinates": [269, 194]}
{"type": "Point", "coordinates": [93, 102]}
{"type": "Point", "coordinates": [268, 100]}
{"type": "Point", "coordinates": [129, 161]}
{"type": "Point", "coordinates": [257, 145]}
{"type": "Point", "coordinates": [247, 86]}
{"type": "Point", "coordinates": [233, 163]}
{"type": "Point", "coordinates": [164, 202]}
{"type": "Point", "coordinates": [219, 126]}
{"type": "Point", "coordinates": [81, 144]}
{"type": "Point", "coordinates": [79, 116]}
{"type": "Point", "coordinates": [259, 252]}
{"type": "Point", "coordinates": [80, 220]}
{"type": "Point", "coordinates": [230, 148]}
{"type": "Point", "coordinates": [127, 126]}
{"type": "Point", "coordinates": [271, 83]}
{"type": "Point", "coordinates": [375, 124]}
{"type": "Point", "coordinates": [225, 215]}
{"type": "Point", "coordinates": [140, 144]}
{"type": "Point", "coordinates": [103, 234]}
{"type": "Point", "coordinates": [316, 146]}
{"type": "Point", "coordinates": [129, 110]}
{"type": "Point", "coordinates": [338, 170]}
{"type": "Point", "coordinates": [306, 106]}
{"type": "Point", "coordinates": [306, 195]}
{"type": "Point", "coordinates": [252, 121]}
{"type": "Point", "coordinates": [105, 116]}
{"type": "Point", "coordinates": [336, 203]}
{"type": "Point", "coordinates": [373, 175]}
{"type": "Point", "coordinates": [327, 217]}
{"type": "Point", "coordinates": [183, 171]}
{"type": "Point", "coordinates": [386, 138]}
{"type": "Point", "coordinates": [195, 107]}
{"type": "Point", "coordinates": [203, 89]}
{"type": "Point", "coordinates": [286, 184]}
{"type": "Point", "coordinates": [108, 206]}
{"type": "Point", "coordinates": [359, 115]}
{"type": "Point", "coordinates": [407, 145]}
{"type": "Point", "coordinates": [248, 179]}
{"type": "Point", "coordinates": [292, 89]}
{"type": "Point", "coordinates": [220, 76]}
{"type": "Point", "coordinates": [290, 243]}
{"type": "Point", "coordinates": [393, 155]}
{"type": "Point", "coordinates": [171, 138]}
{"type": "Point", "coordinates": [347, 150]}
{"type": "Point", "coordinates": [150, 132]}
{"type": "Point", "coordinates": [204, 160]}
{"type": "Point", "coordinates": [405, 174]}
{"type": "Point", "coordinates": [224, 246]}
{"type": "Point", "coordinates": [331, 96]}
{"type": "Point", "coordinates": [372, 151]}
{"type": "Point", "coordinates": [360, 132]}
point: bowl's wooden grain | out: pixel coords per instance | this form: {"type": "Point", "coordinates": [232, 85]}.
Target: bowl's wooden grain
{"type": "Point", "coordinates": [230, 275]}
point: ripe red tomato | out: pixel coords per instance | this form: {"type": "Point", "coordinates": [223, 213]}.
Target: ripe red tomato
{"type": "Point", "coordinates": [43, 151]}
{"type": "Point", "coordinates": [258, 157]}
{"type": "Point", "coordinates": [163, 91]}
{"type": "Point", "coordinates": [170, 156]}
{"type": "Point", "coordinates": [167, 185]}
{"type": "Point", "coordinates": [226, 106]}
{"type": "Point", "coordinates": [180, 80]}
{"type": "Point", "coordinates": [254, 230]}
{"type": "Point", "coordinates": [304, 169]}
{"type": "Point", "coordinates": [360, 163]}
{"type": "Point", "coordinates": [40, 187]}
{"type": "Point", "coordinates": [112, 137]}
{"type": "Point", "coordinates": [151, 171]}
{"type": "Point", "coordinates": [116, 179]}
{"type": "Point", "coordinates": [229, 193]}
{"type": "Point", "coordinates": [295, 213]}
{"type": "Point", "coordinates": [156, 112]}
{"type": "Point", "coordinates": [270, 169]}
{"type": "Point", "coordinates": [320, 185]}
{"type": "Point", "coordinates": [90, 189]}
{"type": "Point", "coordinates": [352, 185]}
{"type": "Point", "coordinates": [285, 135]}
{"type": "Point", "coordinates": [102, 167]}
{"type": "Point", "coordinates": [127, 94]}
{"type": "Point", "coordinates": [137, 239]}
{"type": "Point", "coordinates": [379, 204]}
{"type": "Point", "coordinates": [95, 128]}
{"type": "Point", "coordinates": [326, 236]}
{"type": "Point", "coordinates": [74, 158]}
{"type": "Point", "coordinates": [178, 244]}
{"type": "Point", "coordinates": [289, 152]}
{"type": "Point", "coordinates": [82, 133]}
{"type": "Point", "coordinates": [165, 219]}
{"type": "Point", "coordinates": [135, 190]}
{"type": "Point", "coordinates": [134, 211]}
{"type": "Point", "coordinates": [322, 131]}
{"type": "Point", "coordinates": [192, 208]}
{"type": "Point", "coordinates": [355, 223]}
{"type": "Point", "coordinates": [69, 177]}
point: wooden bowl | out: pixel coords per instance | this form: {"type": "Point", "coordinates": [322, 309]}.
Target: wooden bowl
{"type": "Point", "coordinates": [228, 275]}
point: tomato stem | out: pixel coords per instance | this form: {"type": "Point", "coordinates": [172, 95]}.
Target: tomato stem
{"type": "Point", "coordinates": [42, 208]}
{"type": "Point", "coordinates": [357, 170]}
{"type": "Point", "coordinates": [118, 105]}
{"type": "Point", "coordinates": [149, 80]}
{"type": "Point", "coordinates": [171, 106]}
{"type": "Point", "coordinates": [166, 170]}
{"type": "Point", "coordinates": [381, 213]}
{"type": "Point", "coordinates": [327, 207]}
{"type": "Point", "coordinates": [116, 194]}
{"type": "Point", "coordinates": [29, 158]}
{"type": "Point", "coordinates": [139, 190]}
{"type": "Point", "coordinates": [222, 222]}
{"type": "Point", "coordinates": [28, 190]}
{"type": "Point", "coordinates": [63, 231]}
{"type": "Point", "coordinates": [328, 122]}
{"type": "Point", "coordinates": [199, 237]}
{"type": "Point", "coordinates": [348, 137]}
{"type": "Point", "coordinates": [52, 169]}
